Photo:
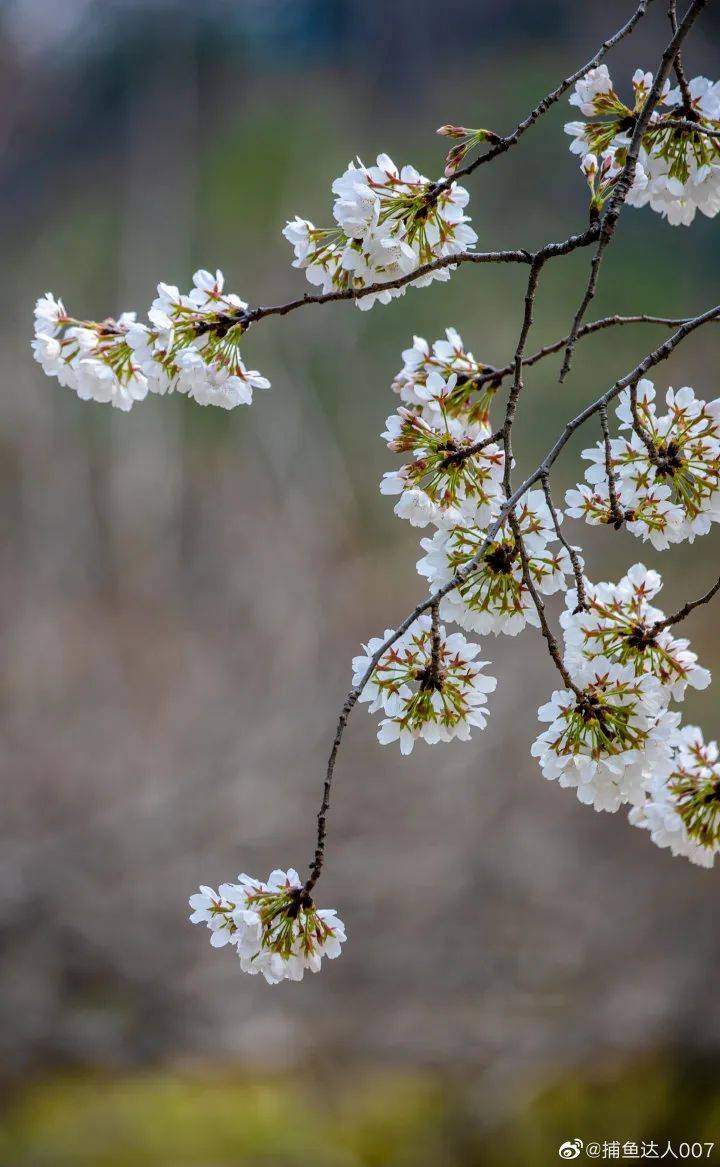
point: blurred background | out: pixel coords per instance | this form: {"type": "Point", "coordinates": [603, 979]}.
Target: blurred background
{"type": "Point", "coordinates": [183, 590]}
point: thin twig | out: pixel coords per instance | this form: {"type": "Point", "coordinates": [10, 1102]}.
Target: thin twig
{"type": "Point", "coordinates": [572, 551]}
{"type": "Point", "coordinates": [505, 143]}
{"type": "Point", "coordinates": [690, 127]}
{"type": "Point", "coordinates": [537, 600]}
{"type": "Point", "coordinates": [627, 175]}
{"type": "Point", "coordinates": [491, 373]}
{"type": "Point", "coordinates": [678, 65]}
{"type": "Point", "coordinates": [685, 610]}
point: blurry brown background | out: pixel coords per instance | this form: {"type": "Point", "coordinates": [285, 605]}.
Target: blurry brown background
{"type": "Point", "coordinates": [183, 590]}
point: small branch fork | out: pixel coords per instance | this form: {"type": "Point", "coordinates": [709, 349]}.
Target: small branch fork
{"type": "Point", "coordinates": [600, 234]}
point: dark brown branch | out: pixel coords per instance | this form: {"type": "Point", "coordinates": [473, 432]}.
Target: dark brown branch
{"type": "Point", "coordinates": [537, 600]}
{"type": "Point", "coordinates": [685, 610]}
{"type": "Point", "coordinates": [517, 386]}
{"type": "Point", "coordinates": [627, 175]}
{"type": "Point", "coordinates": [616, 510]}
{"type": "Point", "coordinates": [690, 127]}
{"type": "Point", "coordinates": [519, 255]}
{"type": "Point", "coordinates": [504, 144]}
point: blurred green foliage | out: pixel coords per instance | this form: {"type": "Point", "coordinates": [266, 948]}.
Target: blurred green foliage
{"type": "Point", "coordinates": [392, 1120]}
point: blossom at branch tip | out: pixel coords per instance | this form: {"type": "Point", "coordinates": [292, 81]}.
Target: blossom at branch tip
{"type": "Point", "coordinates": [274, 926]}
{"type": "Point", "coordinates": [190, 344]}
{"type": "Point", "coordinates": [678, 168]}
{"type": "Point", "coordinates": [618, 624]}
{"type": "Point", "coordinates": [434, 691]}
{"type": "Point", "coordinates": [682, 810]}
{"type": "Point", "coordinates": [389, 222]}
{"type": "Point", "coordinates": [609, 741]}
{"type": "Point", "coordinates": [448, 479]}
{"type": "Point", "coordinates": [494, 597]}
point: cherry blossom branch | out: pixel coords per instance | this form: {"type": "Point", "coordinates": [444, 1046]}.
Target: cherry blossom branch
{"type": "Point", "coordinates": [627, 175]}
{"type": "Point", "coordinates": [503, 144]}
{"type": "Point", "coordinates": [541, 471]}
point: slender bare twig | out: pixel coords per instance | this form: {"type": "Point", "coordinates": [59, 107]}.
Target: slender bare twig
{"type": "Point", "coordinates": [648, 362]}
{"type": "Point", "coordinates": [690, 127]}
{"type": "Point", "coordinates": [627, 175]}
{"type": "Point", "coordinates": [678, 65]}
{"type": "Point", "coordinates": [491, 373]}
{"type": "Point", "coordinates": [686, 609]}
{"type": "Point", "coordinates": [538, 601]}
{"type": "Point", "coordinates": [517, 386]}
{"type": "Point", "coordinates": [616, 510]}
{"type": "Point", "coordinates": [503, 144]}
{"type": "Point", "coordinates": [572, 551]}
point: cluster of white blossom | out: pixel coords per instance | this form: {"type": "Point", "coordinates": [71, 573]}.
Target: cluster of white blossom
{"type": "Point", "coordinates": [620, 624]}
{"type": "Point", "coordinates": [190, 344]}
{"type": "Point", "coordinates": [417, 382]}
{"type": "Point", "coordinates": [682, 811]}
{"type": "Point", "coordinates": [614, 737]}
{"type": "Point", "coordinates": [666, 470]}
{"type": "Point", "coordinates": [494, 597]}
{"type": "Point", "coordinates": [455, 471]}
{"type": "Point", "coordinates": [678, 168]}
{"type": "Point", "coordinates": [607, 741]}
{"type": "Point", "coordinates": [389, 222]}
{"type": "Point", "coordinates": [273, 926]}
{"type": "Point", "coordinates": [429, 686]}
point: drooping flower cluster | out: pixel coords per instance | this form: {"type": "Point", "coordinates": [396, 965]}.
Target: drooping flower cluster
{"type": "Point", "coordinates": [678, 169]}
{"type": "Point", "coordinates": [274, 926]}
{"type": "Point", "coordinates": [621, 625]}
{"type": "Point", "coordinates": [456, 472]}
{"type": "Point", "coordinates": [389, 222]}
{"type": "Point", "coordinates": [608, 741]}
{"type": "Point", "coordinates": [614, 738]}
{"type": "Point", "coordinates": [190, 344]}
{"type": "Point", "coordinates": [682, 811]}
{"type": "Point", "coordinates": [429, 686]}
{"type": "Point", "coordinates": [494, 597]}
{"type": "Point", "coordinates": [667, 470]}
